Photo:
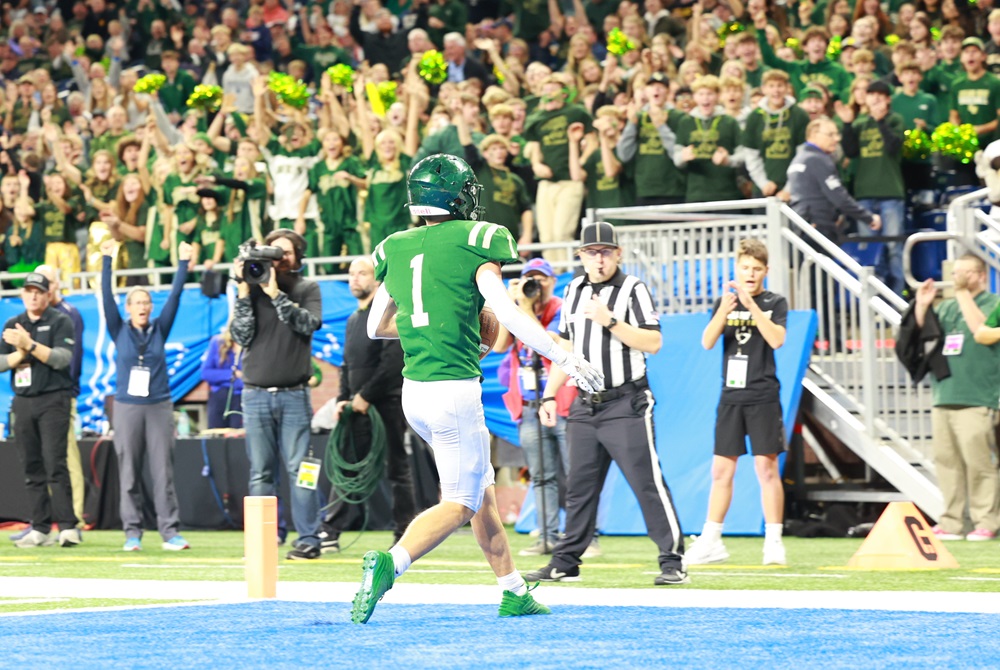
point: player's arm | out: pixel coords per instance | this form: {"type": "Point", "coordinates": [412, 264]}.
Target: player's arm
{"type": "Point", "coordinates": [524, 328]}
{"type": "Point", "coordinates": [382, 317]}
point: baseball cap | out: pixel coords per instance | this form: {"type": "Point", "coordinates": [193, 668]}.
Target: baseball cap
{"type": "Point", "coordinates": [879, 86]}
{"type": "Point", "coordinates": [658, 78]}
{"type": "Point", "coordinates": [812, 92]}
{"type": "Point", "coordinates": [601, 234]}
{"type": "Point", "coordinates": [973, 42]}
{"type": "Point", "coordinates": [538, 265]}
{"type": "Point", "coordinates": [37, 280]}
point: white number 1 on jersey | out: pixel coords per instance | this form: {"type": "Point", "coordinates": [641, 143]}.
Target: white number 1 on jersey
{"type": "Point", "coordinates": [419, 318]}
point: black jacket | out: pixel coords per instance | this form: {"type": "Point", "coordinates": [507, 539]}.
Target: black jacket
{"type": "Point", "coordinates": [818, 196]}
{"type": "Point", "coordinates": [920, 349]}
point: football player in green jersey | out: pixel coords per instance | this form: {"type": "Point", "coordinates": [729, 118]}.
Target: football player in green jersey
{"type": "Point", "coordinates": [435, 281]}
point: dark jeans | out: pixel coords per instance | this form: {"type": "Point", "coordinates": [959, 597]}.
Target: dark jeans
{"type": "Point", "coordinates": [342, 514]}
{"type": "Point", "coordinates": [41, 427]}
{"type": "Point", "coordinates": [217, 415]}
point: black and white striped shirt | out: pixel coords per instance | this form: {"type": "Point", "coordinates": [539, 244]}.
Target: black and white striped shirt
{"type": "Point", "coordinates": [630, 302]}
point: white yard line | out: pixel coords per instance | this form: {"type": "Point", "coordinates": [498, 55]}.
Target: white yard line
{"type": "Point", "coordinates": [550, 594]}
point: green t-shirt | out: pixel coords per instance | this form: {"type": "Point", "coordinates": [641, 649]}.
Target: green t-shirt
{"type": "Point", "coordinates": [108, 142]}
{"type": "Point", "coordinates": [776, 136]}
{"type": "Point", "coordinates": [531, 17]}
{"type": "Point", "coordinates": [754, 76]}
{"type": "Point", "coordinates": [58, 226]}
{"type": "Point", "coordinates": [453, 13]}
{"type": "Point", "coordinates": [185, 206]}
{"type": "Point", "coordinates": [832, 75]}
{"type": "Point", "coordinates": [504, 196]}
{"type": "Point", "coordinates": [977, 102]}
{"type": "Point", "coordinates": [879, 173]}
{"type": "Point", "coordinates": [337, 198]}
{"type": "Point", "coordinates": [135, 249]}
{"type": "Point", "coordinates": [174, 95]}
{"type": "Point", "coordinates": [20, 118]}
{"type": "Point", "coordinates": [656, 175]}
{"type": "Point", "coordinates": [320, 59]}
{"type": "Point", "coordinates": [937, 81]}
{"type": "Point", "coordinates": [975, 371]}
{"type": "Point", "coordinates": [30, 253]}
{"type": "Point", "coordinates": [707, 181]}
{"type": "Point", "coordinates": [912, 107]}
{"type": "Point", "coordinates": [385, 207]}
{"type": "Point", "coordinates": [430, 272]}
{"type": "Point", "coordinates": [208, 233]}
{"type": "Point", "coordinates": [548, 128]}
{"type": "Point", "coordinates": [602, 190]}
{"type": "Point", "coordinates": [244, 215]}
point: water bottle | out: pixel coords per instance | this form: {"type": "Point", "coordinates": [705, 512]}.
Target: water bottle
{"type": "Point", "coordinates": [183, 425]}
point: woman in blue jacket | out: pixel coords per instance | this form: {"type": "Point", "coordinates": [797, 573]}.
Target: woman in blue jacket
{"type": "Point", "coordinates": [144, 412]}
{"type": "Point", "coordinates": [223, 373]}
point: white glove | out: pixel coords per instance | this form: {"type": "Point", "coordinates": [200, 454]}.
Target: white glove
{"type": "Point", "coordinates": [588, 378]}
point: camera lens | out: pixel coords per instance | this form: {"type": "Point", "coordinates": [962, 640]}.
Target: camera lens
{"type": "Point", "coordinates": [254, 269]}
{"type": "Point", "coordinates": [530, 288]}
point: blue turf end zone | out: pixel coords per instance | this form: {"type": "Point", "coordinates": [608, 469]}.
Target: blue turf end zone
{"type": "Point", "coordinates": [686, 381]}
{"type": "Point", "coordinates": [280, 634]}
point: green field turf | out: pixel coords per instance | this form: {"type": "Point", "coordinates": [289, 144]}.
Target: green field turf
{"type": "Point", "coordinates": [628, 562]}
{"type": "Point", "coordinates": [9, 605]}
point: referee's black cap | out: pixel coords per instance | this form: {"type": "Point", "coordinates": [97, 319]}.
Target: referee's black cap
{"type": "Point", "coordinates": [600, 233]}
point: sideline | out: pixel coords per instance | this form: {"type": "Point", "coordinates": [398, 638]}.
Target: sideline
{"type": "Point", "coordinates": [229, 592]}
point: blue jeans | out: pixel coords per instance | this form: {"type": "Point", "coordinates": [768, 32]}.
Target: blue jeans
{"type": "Point", "coordinates": [890, 265]}
{"type": "Point", "coordinates": [277, 427]}
{"type": "Point", "coordinates": [545, 458]}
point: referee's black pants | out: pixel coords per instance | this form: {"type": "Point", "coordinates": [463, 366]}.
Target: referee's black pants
{"type": "Point", "coordinates": [41, 428]}
{"type": "Point", "coordinates": [620, 430]}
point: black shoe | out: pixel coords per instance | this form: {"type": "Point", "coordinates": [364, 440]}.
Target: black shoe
{"type": "Point", "coordinates": [672, 576]}
{"type": "Point", "coordinates": [328, 544]}
{"type": "Point", "coordinates": [553, 574]}
{"type": "Point", "coordinates": [303, 552]}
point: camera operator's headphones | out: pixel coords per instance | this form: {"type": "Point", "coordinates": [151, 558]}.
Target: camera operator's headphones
{"type": "Point", "coordinates": [298, 242]}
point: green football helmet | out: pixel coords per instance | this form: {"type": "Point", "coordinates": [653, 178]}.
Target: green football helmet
{"type": "Point", "coordinates": [442, 185]}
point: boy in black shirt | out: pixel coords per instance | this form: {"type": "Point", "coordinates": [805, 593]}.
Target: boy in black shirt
{"type": "Point", "coordinates": [751, 322]}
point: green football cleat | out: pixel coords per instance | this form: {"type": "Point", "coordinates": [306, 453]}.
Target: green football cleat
{"type": "Point", "coordinates": [378, 575]}
{"type": "Point", "coordinates": [525, 605]}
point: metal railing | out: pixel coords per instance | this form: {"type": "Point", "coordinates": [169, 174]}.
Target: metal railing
{"type": "Point", "coordinates": [686, 254]}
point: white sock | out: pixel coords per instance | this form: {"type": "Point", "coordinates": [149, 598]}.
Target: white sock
{"type": "Point", "coordinates": [712, 531]}
{"type": "Point", "coordinates": [513, 583]}
{"type": "Point", "coordinates": [400, 559]}
{"type": "Point", "coordinates": [772, 531]}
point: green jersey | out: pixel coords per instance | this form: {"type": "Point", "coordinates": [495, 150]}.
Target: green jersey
{"type": "Point", "coordinates": [602, 190]}
{"type": "Point", "coordinates": [108, 142]}
{"type": "Point", "coordinates": [385, 208]}
{"type": "Point", "coordinates": [59, 226]}
{"type": "Point", "coordinates": [707, 181]}
{"type": "Point", "coordinates": [504, 196]}
{"type": "Point", "coordinates": [185, 204]}
{"type": "Point", "coordinates": [430, 272]}
{"type": "Point", "coordinates": [977, 102]}
{"type": "Point", "coordinates": [174, 94]}
{"type": "Point", "coordinates": [337, 198]}
{"type": "Point", "coordinates": [937, 81]}
{"type": "Point", "coordinates": [912, 107]}
{"type": "Point", "coordinates": [776, 135]}
{"type": "Point", "coordinates": [656, 175]}
{"type": "Point", "coordinates": [548, 128]}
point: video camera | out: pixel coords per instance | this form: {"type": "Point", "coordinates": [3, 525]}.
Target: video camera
{"type": "Point", "coordinates": [531, 288]}
{"type": "Point", "coordinates": [257, 261]}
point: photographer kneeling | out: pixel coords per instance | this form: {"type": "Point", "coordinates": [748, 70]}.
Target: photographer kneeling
{"type": "Point", "coordinates": [275, 315]}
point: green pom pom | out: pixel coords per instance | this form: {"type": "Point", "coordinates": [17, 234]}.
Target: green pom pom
{"type": "Point", "coordinates": [917, 145]}
{"type": "Point", "coordinates": [150, 83]}
{"type": "Point", "coordinates": [342, 75]}
{"type": "Point", "coordinates": [835, 47]}
{"type": "Point", "coordinates": [958, 142]}
{"type": "Point", "coordinates": [290, 91]}
{"type": "Point", "coordinates": [936, 34]}
{"type": "Point", "coordinates": [206, 97]}
{"type": "Point", "coordinates": [892, 40]}
{"type": "Point", "coordinates": [618, 43]}
{"type": "Point", "coordinates": [432, 67]}
{"type": "Point", "coordinates": [387, 91]}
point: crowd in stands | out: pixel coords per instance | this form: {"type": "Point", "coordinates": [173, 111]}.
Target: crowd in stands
{"type": "Point", "coordinates": [550, 119]}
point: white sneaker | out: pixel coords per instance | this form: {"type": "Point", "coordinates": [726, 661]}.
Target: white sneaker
{"type": "Point", "coordinates": [35, 539]}
{"type": "Point", "coordinates": [704, 551]}
{"type": "Point", "coordinates": [774, 552]}
{"type": "Point", "coordinates": [70, 537]}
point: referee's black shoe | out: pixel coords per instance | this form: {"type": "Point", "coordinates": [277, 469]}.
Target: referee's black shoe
{"type": "Point", "coordinates": [672, 576]}
{"type": "Point", "coordinates": [550, 573]}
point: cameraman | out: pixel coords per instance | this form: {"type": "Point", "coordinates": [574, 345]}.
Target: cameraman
{"type": "Point", "coordinates": [274, 322]}
{"type": "Point", "coordinates": [533, 295]}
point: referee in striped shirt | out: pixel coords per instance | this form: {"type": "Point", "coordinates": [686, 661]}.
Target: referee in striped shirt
{"type": "Point", "coordinates": [609, 318]}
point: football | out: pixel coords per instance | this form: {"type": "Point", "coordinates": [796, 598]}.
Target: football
{"type": "Point", "coordinates": [489, 328]}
